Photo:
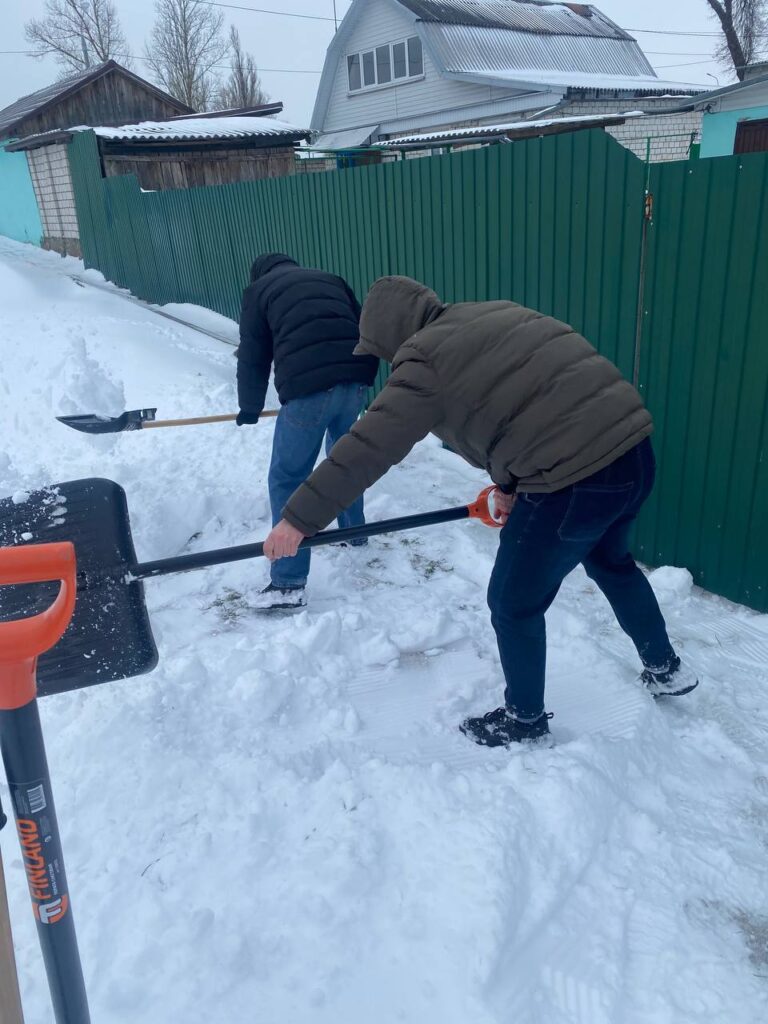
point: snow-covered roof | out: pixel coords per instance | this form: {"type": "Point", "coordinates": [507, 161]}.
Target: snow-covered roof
{"type": "Point", "coordinates": [549, 18]}
{"type": "Point", "coordinates": [534, 77]}
{"type": "Point", "coordinates": [514, 127]}
{"type": "Point", "coordinates": [192, 129]}
{"type": "Point", "coordinates": [199, 128]}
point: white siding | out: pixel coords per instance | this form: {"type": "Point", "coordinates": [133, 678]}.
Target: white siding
{"type": "Point", "coordinates": [382, 21]}
{"type": "Point", "coordinates": [49, 167]}
{"type": "Point", "coordinates": [742, 99]}
{"type": "Point", "coordinates": [512, 108]}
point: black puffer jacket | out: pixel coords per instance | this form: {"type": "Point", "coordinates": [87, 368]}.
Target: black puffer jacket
{"type": "Point", "coordinates": [306, 322]}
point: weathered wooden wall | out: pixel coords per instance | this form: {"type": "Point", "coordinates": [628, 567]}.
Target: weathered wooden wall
{"type": "Point", "coordinates": [112, 99]}
{"type": "Point", "coordinates": [158, 171]}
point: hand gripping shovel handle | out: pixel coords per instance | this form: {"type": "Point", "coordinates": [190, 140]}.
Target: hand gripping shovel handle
{"type": "Point", "coordinates": [26, 766]}
{"type": "Point", "coordinates": [480, 509]}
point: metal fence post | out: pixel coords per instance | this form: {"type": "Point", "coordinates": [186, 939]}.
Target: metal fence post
{"type": "Point", "coordinates": [642, 269]}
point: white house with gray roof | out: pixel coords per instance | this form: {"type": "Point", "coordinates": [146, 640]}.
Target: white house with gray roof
{"type": "Point", "coordinates": [398, 68]}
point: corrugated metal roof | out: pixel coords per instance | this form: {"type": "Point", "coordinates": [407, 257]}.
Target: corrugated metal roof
{"type": "Point", "coordinates": [196, 129]}
{"type": "Point", "coordinates": [531, 104]}
{"type": "Point", "coordinates": [520, 77]}
{"type": "Point", "coordinates": [349, 139]}
{"type": "Point", "coordinates": [490, 130]}
{"type": "Point", "coordinates": [27, 105]}
{"type": "Point", "coordinates": [37, 101]}
{"type": "Point", "coordinates": [521, 15]}
{"type": "Point", "coordinates": [467, 48]}
{"type": "Point", "coordinates": [259, 110]}
{"type": "Point", "coordinates": [210, 129]}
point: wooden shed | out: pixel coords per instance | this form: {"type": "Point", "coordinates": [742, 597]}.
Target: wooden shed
{"type": "Point", "coordinates": [108, 94]}
{"type": "Point", "coordinates": [188, 152]}
{"type": "Point", "coordinates": [192, 152]}
{"type": "Point", "coordinates": [179, 153]}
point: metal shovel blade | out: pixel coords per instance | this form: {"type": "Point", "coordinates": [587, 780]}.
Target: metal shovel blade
{"type": "Point", "coordinates": [110, 636]}
{"type": "Point", "coordinates": [92, 423]}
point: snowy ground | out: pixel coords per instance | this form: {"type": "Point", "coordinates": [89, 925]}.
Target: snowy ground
{"type": "Point", "coordinates": [281, 823]}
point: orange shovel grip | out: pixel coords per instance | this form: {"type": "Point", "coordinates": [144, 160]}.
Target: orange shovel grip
{"type": "Point", "coordinates": [481, 508]}
{"type": "Point", "coordinates": [23, 640]}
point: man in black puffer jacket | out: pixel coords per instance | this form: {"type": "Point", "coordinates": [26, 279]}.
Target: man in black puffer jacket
{"type": "Point", "coordinates": [306, 323]}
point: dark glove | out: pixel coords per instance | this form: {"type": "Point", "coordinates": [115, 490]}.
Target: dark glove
{"type": "Point", "coordinates": [244, 417]}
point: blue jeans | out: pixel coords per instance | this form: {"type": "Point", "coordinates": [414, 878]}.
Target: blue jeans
{"type": "Point", "coordinates": [548, 535]}
{"type": "Point", "coordinates": [301, 425]}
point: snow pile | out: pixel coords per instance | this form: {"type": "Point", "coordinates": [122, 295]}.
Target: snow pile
{"type": "Point", "coordinates": [282, 823]}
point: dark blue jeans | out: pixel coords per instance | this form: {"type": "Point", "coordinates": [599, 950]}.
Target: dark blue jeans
{"type": "Point", "coordinates": [548, 535]}
{"type": "Point", "coordinates": [301, 426]}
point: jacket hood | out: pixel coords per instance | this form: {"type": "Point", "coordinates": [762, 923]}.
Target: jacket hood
{"type": "Point", "coordinates": [263, 264]}
{"type": "Point", "coordinates": [394, 310]}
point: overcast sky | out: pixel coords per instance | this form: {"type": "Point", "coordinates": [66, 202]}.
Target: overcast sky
{"type": "Point", "coordinates": [287, 48]}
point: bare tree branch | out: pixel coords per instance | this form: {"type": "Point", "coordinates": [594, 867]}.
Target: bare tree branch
{"type": "Point", "coordinates": [79, 33]}
{"type": "Point", "coordinates": [243, 86]}
{"type": "Point", "coordinates": [185, 46]}
{"type": "Point", "coordinates": [744, 24]}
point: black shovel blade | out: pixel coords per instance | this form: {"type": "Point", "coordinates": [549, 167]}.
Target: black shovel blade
{"type": "Point", "coordinates": [110, 636]}
{"type": "Point", "coordinates": [92, 423]}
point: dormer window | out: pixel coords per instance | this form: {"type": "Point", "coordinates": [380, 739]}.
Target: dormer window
{"type": "Point", "coordinates": [385, 65]}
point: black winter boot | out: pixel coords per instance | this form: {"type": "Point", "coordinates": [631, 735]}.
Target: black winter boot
{"type": "Point", "coordinates": [273, 599]}
{"type": "Point", "coordinates": [499, 728]}
{"type": "Point", "coordinates": [673, 681]}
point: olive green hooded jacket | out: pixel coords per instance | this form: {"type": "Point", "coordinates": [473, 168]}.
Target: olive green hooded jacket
{"type": "Point", "coordinates": [514, 392]}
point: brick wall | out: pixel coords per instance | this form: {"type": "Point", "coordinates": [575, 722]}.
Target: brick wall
{"type": "Point", "coordinates": [52, 182]}
{"type": "Point", "coordinates": [670, 134]}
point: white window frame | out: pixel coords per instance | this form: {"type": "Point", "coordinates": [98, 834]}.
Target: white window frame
{"type": "Point", "coordinates": [392, 81]}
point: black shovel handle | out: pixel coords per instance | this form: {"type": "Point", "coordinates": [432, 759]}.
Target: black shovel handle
{"type": "Point", "coordinates": [26, 769]}
{"type": "Point", "coordinates": [220, 556]}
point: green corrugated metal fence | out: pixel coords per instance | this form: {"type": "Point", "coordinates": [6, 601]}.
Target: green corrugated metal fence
{"type": "Point", "coordinates": [704, 373]}
{"type": "Point", "coordinates": [554, 223]}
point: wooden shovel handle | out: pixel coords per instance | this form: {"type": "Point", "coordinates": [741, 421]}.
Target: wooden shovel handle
{"type": "Point", "coordinates": [229, 418]}
{"type": "Point", "coordinates": [10, 1000]}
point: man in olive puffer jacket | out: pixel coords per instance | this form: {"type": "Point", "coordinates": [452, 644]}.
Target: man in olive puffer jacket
{"type": "Point", "coordinates": [562, 434]}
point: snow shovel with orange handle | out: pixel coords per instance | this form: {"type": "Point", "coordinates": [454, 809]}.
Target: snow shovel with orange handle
{"type": "Point", "coordinates": [110, 636]}
{"type": "Point", "coordinates": [22, 641]}
{"type": "Point", "coordinates": [140, 419]}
